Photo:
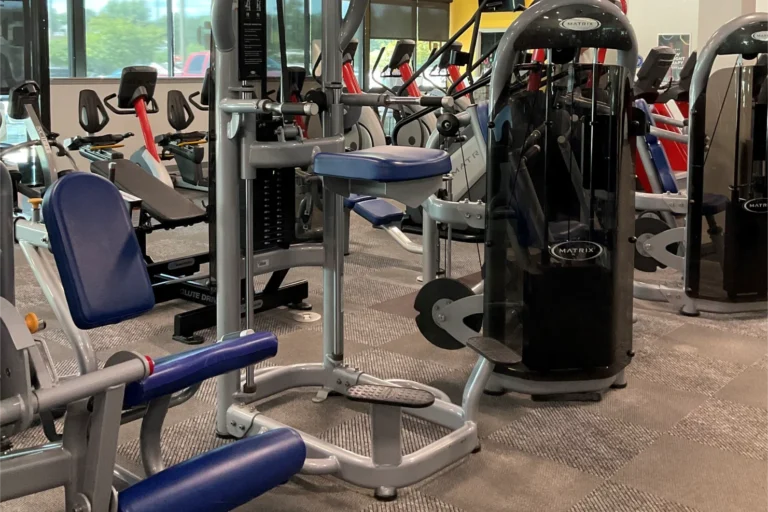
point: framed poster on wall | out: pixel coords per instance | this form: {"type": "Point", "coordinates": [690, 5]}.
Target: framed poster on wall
{"type": "Point", "coordinates": [681, 43]}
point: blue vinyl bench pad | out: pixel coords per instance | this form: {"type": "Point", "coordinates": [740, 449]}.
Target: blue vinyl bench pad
{"type": "Point", "coordinates": [220, 480]}
{"type": "Point", "coordinates": [379, 212]}
{"type": "Point", "coordinates": [384, 164]}
{"type": "Point", "coordinates": [102, 269]}
{"type": "Point", "coordinates": [178, 371]}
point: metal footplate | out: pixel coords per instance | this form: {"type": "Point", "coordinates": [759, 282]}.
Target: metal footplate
{"type": "Point", "coordinates": [494, 351]}
{"type": "Point", "coordinates": [391, 395]}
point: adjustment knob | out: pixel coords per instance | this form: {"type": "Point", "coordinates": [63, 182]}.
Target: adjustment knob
{"type": "Point", "coordinates": [448, 125]}
{"type": "Point", "coordinates": [34, 324]}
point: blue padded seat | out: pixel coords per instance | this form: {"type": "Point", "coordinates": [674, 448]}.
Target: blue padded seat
{"type": "Point", "coordinates": [220, 480]}
{"type": "Point", "coordinates": [384, 163]}
{"type": "Point", "coordinates": [379, 212]}
{"type": "Point", "coordinates": [713, 204]}
{"type": "Point", "coordinates": [100, 262]}
{"type": "Point", "coordinates": [483, 118]}
{"type": "Point", "coordinates": [178, 371]}
{"type": "Point", "coordinates": [353, 199]}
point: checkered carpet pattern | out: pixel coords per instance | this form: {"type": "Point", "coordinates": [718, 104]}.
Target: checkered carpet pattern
{"type": "Point", "coordinates": [688, 434]}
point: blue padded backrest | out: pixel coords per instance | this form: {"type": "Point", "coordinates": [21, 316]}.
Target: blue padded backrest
{"type": "Point", "coordinates": [661, 162]}
{"type": "Point", "coordinates": [98, 256]}
{"type": "Point", "coordinates": [482, 117]}
{"type": "Point", "coordinates": [658, 154]}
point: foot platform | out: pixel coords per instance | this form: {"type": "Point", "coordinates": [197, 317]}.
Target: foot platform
{"type": "Point", "coordinates": [494, 351]}
{"type": "Point", "coordinates": [391, 395]}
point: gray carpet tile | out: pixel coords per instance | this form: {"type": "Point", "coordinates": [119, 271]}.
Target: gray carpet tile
{"type": "Point", "coordinates": [269, 321]}
{"type": "Point", "coordinates": [728, 426]}
{"type": "Point", "coordinates": [414, 501]}
{"type": "Point", "coordinates": [181, 441]}
{"type": "Point", "coordinates": [576, 438]}
{"type": "Point", "coordinates": [373, 328]}
{"type": "Point", "coordinates": [682, 370]}
{"type": "Point", "coordinates": [649, 328]}
{"type": "Point", "coordinates": [355, 435]}
{"type": "Point", "coordinates": [687, 435]}
{"type": "Point", "coordinates": [113, 336]}
{"type": "Point", "coordinates": [612, 497]}
{"type": "Point", "coordinates": [390, 365]}
{"type": "Point", "coordinates": [70, 367]}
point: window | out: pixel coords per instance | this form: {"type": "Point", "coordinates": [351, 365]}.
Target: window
{"type": "Point", "coordinates": [58, 39]}
{"type": "Point", "coordinates": [191, 37]}
{"type": "Point", "coordinates": [122, 33]}
{"type": "Point", "coordinates": [427, 23]}
{"type": "Point", "coordinates": [12, 44]}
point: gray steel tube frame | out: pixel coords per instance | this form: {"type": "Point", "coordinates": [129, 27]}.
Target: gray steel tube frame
{"type": "Point", "coordinates": [241, 419]}
{"type": "Point", "coordinates": [7, 276]}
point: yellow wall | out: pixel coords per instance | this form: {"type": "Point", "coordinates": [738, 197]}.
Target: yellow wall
{"type": "Point", "coordinates": [462, 11]}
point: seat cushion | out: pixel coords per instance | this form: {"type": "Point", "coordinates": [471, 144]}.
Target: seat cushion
{"type": "Point", "coordinates": [713, 204]}
{"type": "Point", "coordinates": [102, 270]}
{"type": "Point", "coordinates": [220, 480]}
{"type": "Point", "coordinates": [379, 212]}
{"type": "Point", "coordinates": [178, 371]}
{"type": "Point", "coordinates": [385, 164]}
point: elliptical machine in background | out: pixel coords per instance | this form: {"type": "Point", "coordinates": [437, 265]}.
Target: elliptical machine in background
{"type": "Point", "coordinates": [93, 118]}
{"type": "Point", "coordinates": [136, 96]}
{"type": "Point", "coordinates": [186, 148]}
{"type": "Point", "coordinates": [557, 308]}
{"type": "Point", "coordinates": [399, 66]}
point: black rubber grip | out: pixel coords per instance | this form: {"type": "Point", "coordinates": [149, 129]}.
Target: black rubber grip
{"type": "Point", "coordinates": [293, 109]}
{"type": "Point", "coordinates": [431, 101]}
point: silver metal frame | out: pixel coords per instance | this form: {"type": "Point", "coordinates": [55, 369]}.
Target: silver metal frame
{"type": "Point", "coordinates": [237, 415]}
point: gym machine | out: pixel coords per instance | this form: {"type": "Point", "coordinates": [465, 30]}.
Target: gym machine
{"type": "Point", "coordinates": [82, 459]}
{"type": "Point", "coordinates": [409, 175]}
{"type": "Point", "coordinates": [186, 148]}
{"type": "Point", "coordinates": [164, 207]}
{"type": "Point", "coordinates": [556, 309]}
{"type": "Point", "coordinates": [723, 263]}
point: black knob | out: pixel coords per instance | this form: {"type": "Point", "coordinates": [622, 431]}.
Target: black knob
{"type": "Point", "coordinates": [448, 125]}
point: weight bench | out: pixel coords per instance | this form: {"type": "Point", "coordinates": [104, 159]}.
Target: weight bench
{"type": "Point", "coordinates": [160, 201]}
{"type": "Point", "coordinates": [105, 281]}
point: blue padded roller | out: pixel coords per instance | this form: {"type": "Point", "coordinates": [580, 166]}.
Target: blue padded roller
{"type": "Point", "coordinates": [384, 163]}
{"type": "Point", "coordinates": [99, 259]}
{"type": "Point", "coordinates": [482, 117]}
{"type": "Point", "coordinates": [353, 199]}
{"type": "Point", "coordinates": [178, 371]}
{"type": "Point", "coordinates": [379, 212]}
{"type": "Point", "coordinates": [220, 480]}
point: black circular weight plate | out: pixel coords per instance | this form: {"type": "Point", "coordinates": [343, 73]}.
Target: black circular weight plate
{"type": "Point", "coordinates": [645, 226]}
{"type": "Point", "coordinates": [432, 292]}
